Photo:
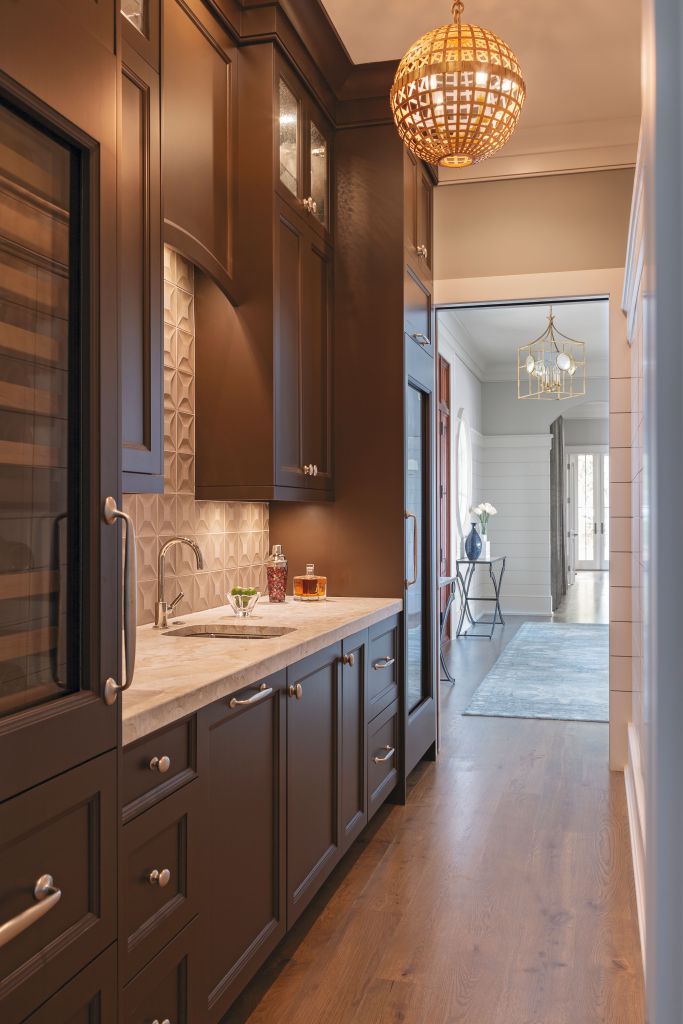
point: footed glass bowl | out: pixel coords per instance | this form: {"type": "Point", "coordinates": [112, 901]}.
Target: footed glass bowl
{"type": "Point", "coordinates": [243, 604]}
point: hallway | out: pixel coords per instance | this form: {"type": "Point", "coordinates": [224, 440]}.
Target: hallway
{"type": "Point", "coordinates": [501, 894]}
{"type": "Point", "coordinates": [587, 599]}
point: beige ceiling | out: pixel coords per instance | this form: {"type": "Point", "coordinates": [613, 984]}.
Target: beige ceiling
{"type": "Point", "coordinates": [580, 59]}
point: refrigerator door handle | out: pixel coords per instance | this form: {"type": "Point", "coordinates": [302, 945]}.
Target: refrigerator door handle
{"type": "Point", "coordinates": [130, 589]}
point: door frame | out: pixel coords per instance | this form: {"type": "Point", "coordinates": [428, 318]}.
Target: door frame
{"type": "Point", "coordinates": [444, 475]}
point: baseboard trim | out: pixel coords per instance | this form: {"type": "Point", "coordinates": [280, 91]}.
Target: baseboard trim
{"type": "Point", "coordinates": [635, 802]}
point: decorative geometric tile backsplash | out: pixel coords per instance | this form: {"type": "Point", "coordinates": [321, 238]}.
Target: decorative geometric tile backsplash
{"type": "Point", "coordinates": [232, 535]}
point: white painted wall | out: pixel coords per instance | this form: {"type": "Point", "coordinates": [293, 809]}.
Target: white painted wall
{"type": "Point", "coordinates": [586, 432]}
{"type": "Point", "coordinates": [504, 413]}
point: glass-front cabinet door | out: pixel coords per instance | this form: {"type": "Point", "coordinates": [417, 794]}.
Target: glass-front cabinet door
{"type": "Point", "coordinates": [420, 557]}
{"type": "Point", "coordinates": [58, 561]}
{"type": "Point", "coordinates": [289, 136]}
{"type": "Point", "coordinates": [319, 163]}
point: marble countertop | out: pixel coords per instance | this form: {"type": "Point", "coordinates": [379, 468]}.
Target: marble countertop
{"type": "Point", "coordinates": [175, 676]}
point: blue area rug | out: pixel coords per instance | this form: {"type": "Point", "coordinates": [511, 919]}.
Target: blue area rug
{"type": "Point", "coordinates": [549, 670]}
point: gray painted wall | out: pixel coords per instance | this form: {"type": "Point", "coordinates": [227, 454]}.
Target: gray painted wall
{"type": "Point", "coordinates": [504, 413]}
{"type": "Point", "coordinates": [588, 432]}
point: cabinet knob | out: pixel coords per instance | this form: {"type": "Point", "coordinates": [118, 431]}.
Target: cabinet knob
{"type": "Point", "coordinates": [296, 691]}
{"type": "Point", "coordinates": [420, 338]}
{"type": "Point", "coordinates": [348, 659]}
{"type": "Point", "coordinates": [310, 204]}
{"type": "Point", "coordinates": [164, 1021]}
{"type": "Point", "coordinates": [160, 878]}
{"type": "Point", "coordinates": [422, 251]}
{"type": "Point", "coordinates": [308, 470]}
{"type": "Point", "coordinates": [160, 764]}
{"type": "Point", "coordinates": [315, 470]}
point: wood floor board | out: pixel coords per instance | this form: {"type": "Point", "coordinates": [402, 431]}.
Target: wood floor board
{"type": "Point", "coordinates": [502, 893]}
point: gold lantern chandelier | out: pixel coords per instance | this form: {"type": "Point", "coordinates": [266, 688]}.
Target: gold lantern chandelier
{"type": "Point", "coordinates": [551, 367]}
{"type": "Point", "coordinates": [457, 94]}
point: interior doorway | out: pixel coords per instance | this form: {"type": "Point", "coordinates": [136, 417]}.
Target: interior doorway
{"type": "Point", "coordinates": [587, 511]}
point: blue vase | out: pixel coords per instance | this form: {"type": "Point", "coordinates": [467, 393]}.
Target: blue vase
{"type": "Point", "coordinates": [473, 544]}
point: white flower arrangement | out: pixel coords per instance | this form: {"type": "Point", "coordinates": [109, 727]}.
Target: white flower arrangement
{"type": "Point", "coordinates": [483, 511]}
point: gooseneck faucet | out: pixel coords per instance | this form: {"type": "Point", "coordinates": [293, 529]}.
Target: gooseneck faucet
{"type": "Point", "coordinates": [162, 609]}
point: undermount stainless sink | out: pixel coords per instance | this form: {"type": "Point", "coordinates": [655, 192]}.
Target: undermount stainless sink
{"type": "Point", "coordinates": [229, 631]}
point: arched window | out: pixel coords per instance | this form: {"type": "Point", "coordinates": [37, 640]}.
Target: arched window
{"type": "Point", "coordinates": [463, 473]}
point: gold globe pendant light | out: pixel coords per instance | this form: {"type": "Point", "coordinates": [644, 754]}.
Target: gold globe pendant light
{"type": "Point", "coordinates": [457, 94]}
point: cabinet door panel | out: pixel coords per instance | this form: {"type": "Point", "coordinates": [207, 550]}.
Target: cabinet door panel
{"type": "Point", "coordinates": [384, 756]}
{"type": "Point", "coordinates": [383, 666]}
{"type": "Point", "coordinates": [353, 774]}
{"type": "Point", "coordinates": [168, 987]}
{"type": "Point", "coordinates": [424, 224]}
{"type": "Point", "coordinates": [198, 138]}
{"type": "Point", "coordinates": [165, 838]}
{"type": "Point", "coordinates": [316, 367]}
{"type": "Point", "coordinates": [313, 796]}
{"type": "Point", "coordinates": [64, 828]}
{"type": "Point", "coordinates": [140, 313]}
{"type": "Point", "coordinates": [418, 311]}
{"type": "Point", "coordinates": [289, 327]}
{"type": "Point", "coordinates": [89, 999]}
{"type": "Point", "coordinates": [243, 902]}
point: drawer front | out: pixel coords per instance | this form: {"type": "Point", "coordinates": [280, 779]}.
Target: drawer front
{"type": "Point", "coordinates": [383, 666]}
{"type": "Point", "coordinates": [167, 989]}
{"type": "Point", "coordinates": [157, 766]}
{"type": "Point", "coordinates": [65, 828]}
{"type": "Point", "coordinates": [383, 757]}
{"type": "Point", "coordinates": [89, 999]}
{"type": "Point", "coordinates": [158, 879]}
{"type": "Point", "coordinates": [418, 311]}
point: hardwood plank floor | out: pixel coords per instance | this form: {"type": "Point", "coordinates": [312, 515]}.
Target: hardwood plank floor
{"type": "Point", "coordinates": [501, 894]}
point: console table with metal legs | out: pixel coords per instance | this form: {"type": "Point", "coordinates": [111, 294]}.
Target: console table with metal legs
{"type": "Point", "coordinates": [465, 575]}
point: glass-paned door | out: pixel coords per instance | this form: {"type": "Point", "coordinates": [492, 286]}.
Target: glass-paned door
{"type": "Point", "coordinates": [418, 593]}
{"type": "Point", "coordinates": [319, 164]}
{"type": "Point", "coordinates": [289, 138]}
{"type": "Point", "coordinates": [589, 509]}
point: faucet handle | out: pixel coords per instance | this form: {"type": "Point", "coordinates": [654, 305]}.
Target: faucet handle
{"type": "Point", "coordinates": [179, 596]}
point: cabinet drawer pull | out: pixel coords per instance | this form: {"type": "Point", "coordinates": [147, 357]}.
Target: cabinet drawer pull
{"type": "Point", "coordinates": [348, 659]}
{"type": "Point", "coordinates": [296, 691]}
{"type": "Point", "coordinates": [422, 251]}
{"type": "Point", "coordinates": [160, 764]}
{"type": "Point", "coordinates": [420, 338]}
{"type": "Point", "coordinates": [390, 751]}
{"type": "Point", "coordinates": [261, 694]}
{"type": "Point", "coordinates": [46, 896]}
{"type": "Point", "coordinates": [160, 878]}
{"type": "Point", "coordinates": [384, 663]}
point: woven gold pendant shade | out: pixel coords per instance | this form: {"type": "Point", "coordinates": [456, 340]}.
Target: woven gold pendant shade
{"type": "Point", "coordinates": [457, 94]}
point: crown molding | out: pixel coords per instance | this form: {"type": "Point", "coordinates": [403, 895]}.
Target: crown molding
{"type": "Point", "coordinates": [562, 148]}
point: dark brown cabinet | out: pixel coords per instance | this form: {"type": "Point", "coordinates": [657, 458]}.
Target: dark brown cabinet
{"type": "Point", "coordinates": [352, 751]}
{"type": "Point", "coordinates": [158, 877]}
{"type": "Point", "coordinates": [57, 852]}
{"type": "Point", "coordinates": [91, 998]}
{"type": "Point", "coordinates": [243, 908]}
{"type": "Point", "coordinates": [303, 296]}
{"type": "Point", "coordinates": [199, 138]}
{"type": "Point", "coordinates": [418, 191]}
{"type": "Point", "coordinates": [168, 988]}
{"type": "Point", "coordinates": [268, 362]}
{"type": "Point", "coordinates": [140, 274]}
{"type": "Point", "coordinates": [303, 152]}
{"type": "Point", "coordinates": [313, 776]}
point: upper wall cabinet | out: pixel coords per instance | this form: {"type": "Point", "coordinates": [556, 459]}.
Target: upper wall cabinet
{"type": "Point", "coordinates": [139, 259]}
{"type": "Point", "coordinates": [418, 192]}
{"type": "Point", "coordinates": [198, 143]}
{"type": "Point", "coordinates": [140, 28]}
{"type": "Point", "coordinates": [303, 151]}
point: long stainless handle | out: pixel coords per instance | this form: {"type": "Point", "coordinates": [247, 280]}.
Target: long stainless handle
{"type": "Point", "coordinates": [261, 694]}
{"type": "Point", "coordinates": [602, 528]}
{"type": "Point", "coordinates": [390, 751]}
{"type": "Point", "coordinates": [130, 589]}
{"type": "Point", "coordinates": [384, 663]}
{"type": "Point", "coordinates": [46, 895]}
{"type": "Point", "coordinates": [411, 515]}
{"type": "Point", "coordinates": [595, 527]}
